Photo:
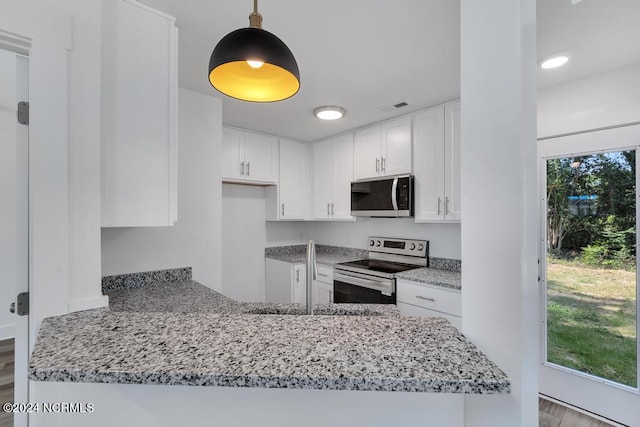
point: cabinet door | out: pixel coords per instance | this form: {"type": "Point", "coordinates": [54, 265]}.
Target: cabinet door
{"type": "Point", "coordinates": [139, 117]}
{"type": "Point", "coordinates": [258, 156]}
{"type": "Point", "coordinates": [343, 175]}
{"type": "Point", "coordinates": [322, 293]}
{"type": "Point", "coordinates": [293, 183]}
{"type": "Point", "coordinates": [396, 147]}
{"type": "Point", "coordinates": [428, 153]}
{"type": "Point", "coordinates": [453, 206]}
{"type": "Point", "coordinates": [299, 288]}
{"type": "Point", "coordinates": [366, 152]}
{"type": "Point", "coordinates": [232, 154]}
{"type": "Point", "coordinates": [323, 177]}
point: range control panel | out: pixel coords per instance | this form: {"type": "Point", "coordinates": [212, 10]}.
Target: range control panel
{"type": "Point", "coordinates": [411, 247]}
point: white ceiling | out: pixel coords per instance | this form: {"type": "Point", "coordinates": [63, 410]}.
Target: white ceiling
{"type": "Point", "coordinates": [365, 55]}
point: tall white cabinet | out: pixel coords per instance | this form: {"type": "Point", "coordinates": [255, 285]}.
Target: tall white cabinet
{"type": "Point", "coordinates": [248, 157]}
{"type": "Point", "coordinates": [383, 149]}
{"type": "Point", "coordinates": [436, 152]}
{"type": "Point", "coordinates": [290, 199]}
{"type": "Point", "coordinates": [332, 176]}
{"type": "Point", "coordinates": [139, 88]}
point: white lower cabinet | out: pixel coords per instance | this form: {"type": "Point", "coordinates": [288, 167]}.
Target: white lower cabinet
{"type": "Point", "coordinates": [422, 300]}
{"type": "Point", "coordinates": [323, 286]}
{"type": "Point", "coordinates": [285, 282]}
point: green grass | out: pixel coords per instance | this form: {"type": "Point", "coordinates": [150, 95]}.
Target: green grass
{"type": "Point", "coordinates": [591, 320]}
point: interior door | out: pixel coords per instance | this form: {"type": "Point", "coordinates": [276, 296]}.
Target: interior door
{"type": "Point", "coordinates": [14, 253]}
{"type": "Point", "coordinates": [589, 271]}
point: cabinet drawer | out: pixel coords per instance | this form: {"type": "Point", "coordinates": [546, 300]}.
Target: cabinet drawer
{"type": "Point", "coordinates": [429, 297]}
{"type": "Point", "coordinates": [325, 274]}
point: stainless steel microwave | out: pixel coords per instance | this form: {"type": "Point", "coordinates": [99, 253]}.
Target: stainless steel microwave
{"type": "Point", "coordinates": [389, 196]}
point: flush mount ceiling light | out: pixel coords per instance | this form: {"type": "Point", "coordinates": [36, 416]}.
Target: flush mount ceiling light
{"type": "Point", "coordinates": [554, 61]}
{"type": "Point", "coordinates": [252, 64]}
{"type": "Point", "coordinates": [329, 112]}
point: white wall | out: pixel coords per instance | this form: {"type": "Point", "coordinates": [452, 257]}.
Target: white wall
{"type": "Point", "coordinates": [194, 241]}
{"type": "Point", "coordinates": [444, 239]}
{"type": "Point", "coordinates": [245, 234]}
{"type": "Point", "coordinates": [499, 186]}
{"type": "Point", "coordinates": [605, 99]}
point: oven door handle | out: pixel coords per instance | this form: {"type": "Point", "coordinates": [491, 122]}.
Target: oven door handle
{"type": "Point", "coordinates": [365, 283]}
{"type": "Point", "coordinates": [394, 194]}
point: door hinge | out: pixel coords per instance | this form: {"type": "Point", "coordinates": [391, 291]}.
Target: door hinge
{"type": "Point", "coordinates": [23, 113]}
{"type": "Point", "coordinates": [23, 303]}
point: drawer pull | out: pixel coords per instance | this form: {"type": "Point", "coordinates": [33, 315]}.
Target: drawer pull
{"type": "Point", "coordinates": [323, 275]}
{"type": "Point", "coordinates": [425, 298]}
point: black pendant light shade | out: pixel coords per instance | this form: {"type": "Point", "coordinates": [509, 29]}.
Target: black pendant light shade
{"type": "Point", "coordinates": [252, 64]}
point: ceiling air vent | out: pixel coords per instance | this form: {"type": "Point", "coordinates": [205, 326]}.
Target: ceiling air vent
{"type": "Point", "coordinates": [399, 104]}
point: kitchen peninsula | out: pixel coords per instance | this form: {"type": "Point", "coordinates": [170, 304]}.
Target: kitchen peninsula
{"type": "Point", "coordinates": [206, 339]}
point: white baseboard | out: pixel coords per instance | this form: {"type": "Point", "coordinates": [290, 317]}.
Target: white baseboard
{"type": "Point", "coordinates": [7, 332]}
{"type": "Point", "coordinates": [88, 304]}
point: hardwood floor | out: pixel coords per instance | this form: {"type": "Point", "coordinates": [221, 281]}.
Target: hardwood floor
{"type": "Point", "coordinates": [553, 415]}
{"type": "Point", "coordinates": [6, 379]}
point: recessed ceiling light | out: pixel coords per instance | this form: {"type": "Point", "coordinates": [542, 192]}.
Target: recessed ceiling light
{"type": "Point", "coordinates": [329, 112]}
{"type": "Point", "coordinates": [554, 62]}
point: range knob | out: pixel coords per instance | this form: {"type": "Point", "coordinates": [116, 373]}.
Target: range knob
{"type": "Point", "coordinates": [377, 242]}
{"type": "Point", "coordinates": [412, 246]}
{"type": "Point", "coordinates": [371, 242]}
{"type": "Point", "coordinates": [420, 247]}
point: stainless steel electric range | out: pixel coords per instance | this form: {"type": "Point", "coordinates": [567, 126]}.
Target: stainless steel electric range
{"type": "Point", "coordinates": [373, 280]}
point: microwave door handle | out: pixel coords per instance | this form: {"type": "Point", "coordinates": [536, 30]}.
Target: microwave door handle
{"type": "Point", "coordinates": [394, 194]}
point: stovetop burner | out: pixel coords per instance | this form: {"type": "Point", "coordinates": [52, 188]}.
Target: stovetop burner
{"type": "Point", "coordinates": [379, 265]}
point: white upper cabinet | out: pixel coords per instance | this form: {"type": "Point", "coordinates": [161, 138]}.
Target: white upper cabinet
{"type": "Point", "coordinates": [139, 89]}
{"type": "Point", "coordinates": [436, 153]}
{"type": "Point", "coordinates": [396, 147]}
{"type": "Point", "coordinates": [292, 186]}
{"type": "Point", "coordinates": [248, 157]}
{"type": "Point", "coordinates": [383, 149]}
{"type": "Point", "coordinates": [332, 176]}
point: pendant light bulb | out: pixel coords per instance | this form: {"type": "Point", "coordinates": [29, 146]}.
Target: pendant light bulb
{"type": "Point", "coordinates": [272, 77]}
{"type": "Point", "coordinates": [255, 64]}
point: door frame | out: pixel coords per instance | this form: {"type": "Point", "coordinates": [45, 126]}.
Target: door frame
{"type": "Point", "coordinates": [603, 397]}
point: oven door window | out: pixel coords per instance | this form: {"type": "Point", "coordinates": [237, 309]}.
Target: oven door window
{"type": "Point", "coordinates": [348, 293]}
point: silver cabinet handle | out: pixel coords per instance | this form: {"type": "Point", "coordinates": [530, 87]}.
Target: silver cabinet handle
{"type": "Point", "coordinates": [323, 275]}
{"type": "Point", "coordinates": [383, 164]}
{"type": "Point", "coordinates": [328, 209]}
{"type": "Point", "coordinates": [332, 209]}
{"type": "Point", "coordinates": [446, 206]}
{"type": "Point", "coordinates": [283, 209]}
{"type": "Point", "coordinates": [425, 298]}
{"type": "Point", "coordinates": [242, 168]}
{"type": "Point", "coordinates": [377, 165]}
{"type": "Point", "coordinates": [12, 307]}
{"type": "Point", "coordinates": [439, 202]}
{"type": "Point", "coordinates": [248, 168]}
{"type": "Point", "coordinates": [297, 275]}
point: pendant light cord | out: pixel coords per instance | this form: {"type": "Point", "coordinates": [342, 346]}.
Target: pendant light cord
{"type": "Point", "coordinates": [255, 19]}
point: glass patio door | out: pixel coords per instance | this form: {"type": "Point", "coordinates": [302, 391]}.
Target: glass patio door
{"type": "Point", "coordinates": [589, 273]}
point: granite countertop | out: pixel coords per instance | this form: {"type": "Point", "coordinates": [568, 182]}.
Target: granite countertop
{"type": "Point", "coordinates": [327, 255]}
{"type": "Point", "coordinates": [182, 333]}
{"type": "Point", "coordinates": [233, 350]}
{"type": "Point", "coordinates": [433, 276]}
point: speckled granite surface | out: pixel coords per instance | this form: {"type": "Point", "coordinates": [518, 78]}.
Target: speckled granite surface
{"type": "Point", "coordinates": [138, 280]}
{"type": "Point", "coordinates": [328, 255]}
{"type": "Point", "coordinates": [306, 352]}
{"type": "Point", "coordinates": [445, 263]}
{"type": "Point", "coordinates": [433, 276]}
